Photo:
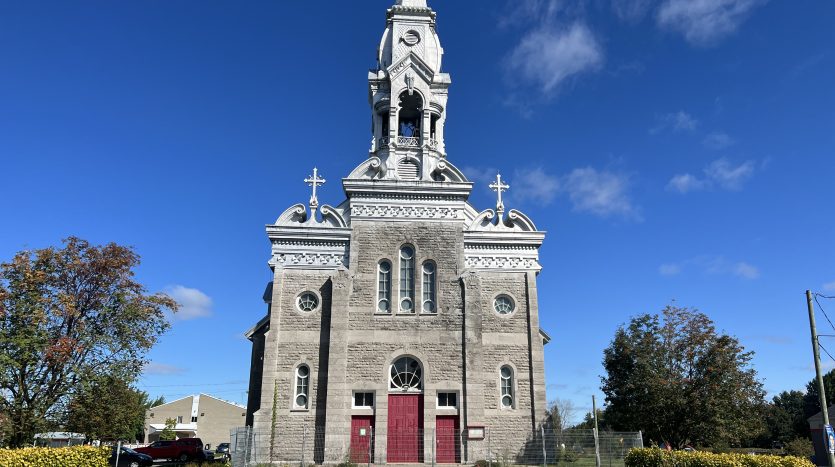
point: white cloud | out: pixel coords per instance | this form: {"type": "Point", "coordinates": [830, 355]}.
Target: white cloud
{"type": "Point", "coordinates": [704, 22]}
{"type": "Point", "coordinates": [193, 303]}
{"type": "Point", "coordinates": [549, 55]}
{"type": "Point", "coordinates": [745, 270]}
{"type": "Point", "coordinates": [829, 286]}
{"type": "Point", "coordinates": [632, 10]}
{"type": "Point", "coordinates": [534, 184]}
{"type": "Point", "coordinates": [155, 368]}
{"type": "Point", "coordinates": [718, 174]}
{"type": "Point", "coordinates": [685, 183]}
{"type": "Point", "coordinates": [728, 176]}
{"type": "Point", "coordinates": [713, 265]}
{"type": "Point", "coordinates": [601, 193]}
{"type": "Point", "coordinates": [718, 140]}
{"type": "Point", "coordinates": [669, 269]}
{"type": "Point", "coordinates": [676, 121]}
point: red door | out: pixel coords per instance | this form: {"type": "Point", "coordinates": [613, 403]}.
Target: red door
{"type": "Point", "coordinates": [446, 439]}
{"type": "Point", "coordinates": [361, 429]}
{"type": "Point", "coordinates": [405, 428]}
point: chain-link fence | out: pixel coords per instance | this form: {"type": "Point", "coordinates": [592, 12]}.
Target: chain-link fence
{"type": "Point", "coordinates": [494, 448]}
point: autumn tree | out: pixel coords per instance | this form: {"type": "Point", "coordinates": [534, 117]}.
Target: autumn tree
{"type": "Point", "coordinates": [560, 414]}
{"type": "Point", "coordinates": [69, 315]}
{"type": "Point", "coordinates": [677, 379]}
{"type": "Point", "coordinates": [168, 433]}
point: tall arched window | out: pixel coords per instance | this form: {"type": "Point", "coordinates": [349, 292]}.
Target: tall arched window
{"type": "Point", "coordinates": [429, 299]}
{"type": "Point", "coordinates": [301, 397]}
{"type": "Point", "coordinates": [407, 279]}
{"type": "Point", "coordinates": [506, 377]}
{"type": "Point", "coordinates": [384, 287]}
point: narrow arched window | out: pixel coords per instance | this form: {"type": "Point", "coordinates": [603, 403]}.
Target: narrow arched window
{"type": "Point", "coordinates": [429, 273]}
{"type": "Point", "coordinates": [384, 287]}
{"type": "Point", "coordinates": [301, 398]}
{"type": "Point", "coordinates": [506, 377]}
{"type": "Point", "coordinates": [407, 279]}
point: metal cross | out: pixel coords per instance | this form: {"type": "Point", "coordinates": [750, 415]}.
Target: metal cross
{"type": "Point", "coordinates": [314, 181]}
{"type": "Point", "coordinates": [499, 187]}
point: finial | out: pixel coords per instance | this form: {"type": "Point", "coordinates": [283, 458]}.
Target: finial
{"type": "Point", "coordinates": [314, 181]}
{"type": "Point", "coordinates": [499, 187]}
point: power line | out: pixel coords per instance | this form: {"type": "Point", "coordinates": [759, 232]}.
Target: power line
{"type": "Point", "coordinates": [193, 385]}
{"type": "Point", "coordinates": [826, 351]}
{"type": "Point", "coordinates": [824, 311]}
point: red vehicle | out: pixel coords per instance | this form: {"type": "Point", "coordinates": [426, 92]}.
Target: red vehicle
{"type": "Point", "coordinates": [182, 449]}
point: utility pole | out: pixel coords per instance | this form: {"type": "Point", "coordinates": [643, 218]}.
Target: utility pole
{"type": "Point", "coordinates": [821, 391]}
{"type": "Point", "coordinates": [597, 435]}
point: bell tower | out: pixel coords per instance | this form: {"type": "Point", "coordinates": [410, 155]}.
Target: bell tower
{"type": "Point", "coordinates": [408, 95]}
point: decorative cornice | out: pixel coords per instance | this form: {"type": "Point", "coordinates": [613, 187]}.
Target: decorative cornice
{"type": "Point", "coordinates": [404, 213]}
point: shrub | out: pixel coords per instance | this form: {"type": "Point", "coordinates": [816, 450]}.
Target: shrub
{"type": "Point", "coordinates": [800, 447]}
{"type": "Point", "coordinates": [75, 456]}
{"type": "Point", "coordinates": [653, 457]}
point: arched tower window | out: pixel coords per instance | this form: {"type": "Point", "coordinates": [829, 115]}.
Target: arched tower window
{"type": "Point", "coordinates": [301, 396]}
{"type": "Point", "coordinates": [406, 375]}
{"type": "Point", "coordinates": [429, 290]}
{"type": "Point", "coordinates": [384, 287]}
{"type": "Point", "coordinates": [410, 115]}
{"type": "Point", "coordinates": [407, 279]}
{"type": "Point", "coordinates": [506, 377]}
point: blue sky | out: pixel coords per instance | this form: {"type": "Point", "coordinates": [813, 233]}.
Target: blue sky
{"type": "Point", "coordinates": [673, 150]}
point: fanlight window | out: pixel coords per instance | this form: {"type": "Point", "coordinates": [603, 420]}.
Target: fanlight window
{"type": "Point", "coordinates": [504, 305]}
{"type": "Point", "coordinates": [302, 384]}
{"type": "Point", "coordinates": [429, 287]}
{"type": "Point", "coordinates": [507, 386]}
{"type": "Point", "coordinates": [406, 375]}
{"type": "Point", "coordinates": [407, 279]}
{"type": "Point", "coordinates": [384, 287]}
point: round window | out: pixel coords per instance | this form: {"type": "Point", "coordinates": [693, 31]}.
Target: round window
{"type": "Point", "coordinates": [301, 400]}
{"type": "Point", "coordinates": [405, 375]}
{"type": "Point", "coordinates": [307, 301]}
{"type": "Point", "coordinates": [504, 305]}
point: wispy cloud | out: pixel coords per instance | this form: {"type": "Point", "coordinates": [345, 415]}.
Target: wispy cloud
{"type": "Point", "coordinates": [718, 174]}
{"type": "Point", "coordinates": [156, 368]}
{"type": "Point", "coordinates": [829, 287]}
{"type": "Point", "coordinates": [603, 193]}
{"type": "Point", "coordinates": [550, 54]}
{"type": "Point", "coordinates": [676, 122]}
{"type": "Point", "coordinates": [193, 303]}
{"type": "Point", "coordinates": [718, 140]}
{"type": "Point", "coordinates": [713, 265]}
{"type": "Point", "coordinates": [704, 22]}
{"type": "Point", "coordinates": [632, 10]}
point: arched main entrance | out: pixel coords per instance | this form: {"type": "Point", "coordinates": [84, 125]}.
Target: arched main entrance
{"type": "Point", "coordinates": [405, 411]}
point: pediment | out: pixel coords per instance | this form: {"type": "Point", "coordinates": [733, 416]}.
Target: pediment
{"type": "Point", "coordinates": [411, 61]}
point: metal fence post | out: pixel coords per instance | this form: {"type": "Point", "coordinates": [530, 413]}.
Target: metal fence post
{"type": "Point", "coordinates": [118, 451]}
{"type": "Point", "coordinates": [641, 438]}
{"type": "Point", "coordinates": [304, 443]}
{"type": "Point", "coordinates": [544, 454]}
{"type": "Point", "coordinates": [596, 449]}
{"type": "Point", "coordinates": [434, 443]}
{"type": "Point", "coordinates": [370, 444]}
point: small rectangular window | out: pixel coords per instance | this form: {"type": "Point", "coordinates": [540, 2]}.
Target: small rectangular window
{"type": "Point", "coordinates": [180, 419]}
{"type": "Point", "coordinates": [193, 419]}
{"type": "Point", "coordinates": [447, 399]}
{"type": "Point", "coordinates": [364, 399]}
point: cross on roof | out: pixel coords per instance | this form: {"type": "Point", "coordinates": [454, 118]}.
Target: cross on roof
{"type": "Point", "coordinates": [499, 187]}
{"type": "Point", "coordinates": [314, 181]}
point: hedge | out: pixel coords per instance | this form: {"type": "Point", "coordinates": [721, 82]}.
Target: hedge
{"type": "Point", "coordinates": [75, 456]}
{"type": "Point", "coordinates": [654, 457]}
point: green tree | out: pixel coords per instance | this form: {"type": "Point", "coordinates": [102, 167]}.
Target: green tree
{"type": "Point", "coordinates": [107, 408]}
{"type": "Point", "coordinates": [785, 417]}
{"type": "Point", "coordinates": [811, 401]}
{"type": "Point", "coordinates": [147, 403]}
{"type": "Point", "coordinates": [67, 316]}
{"type": "Point", "coordinates": [168, 433]}
{"type": "Point", "coordinates": [588, 421]}
{"type": "Point", "coordinates": [678, 380]}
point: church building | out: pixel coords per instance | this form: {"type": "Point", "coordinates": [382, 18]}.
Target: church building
{"type": "Point", "coordinates": [403, 322]}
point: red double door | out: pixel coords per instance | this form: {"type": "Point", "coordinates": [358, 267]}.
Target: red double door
{"type": "Point", "coordinates": [405, 428]}
{"type": "Point", "coordinates": [447, 447]}
{"type": "Point", "coordinates": [362, 427]}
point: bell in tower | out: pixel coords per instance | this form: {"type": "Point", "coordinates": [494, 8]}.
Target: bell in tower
{"type": "Point", "coordinates": [408, 94]}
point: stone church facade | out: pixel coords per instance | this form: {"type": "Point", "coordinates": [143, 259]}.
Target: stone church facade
{"type": "Point", "coordinates": [402, 323]}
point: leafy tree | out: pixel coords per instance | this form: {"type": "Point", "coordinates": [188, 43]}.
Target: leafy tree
{"type": "Point", "coordinates": [811, 401]}
{"type": "Point", "coordinates": [560, 413]}
{"type": "Point", "coordinates": [67, 316]}
{"type": "Point", "coordinates": [679, 381]}
{"type": "Point", "coordinates": [588, 422]}
{"type": "Point", "coordinates": [168, 433]}
{"type": "Point", "coordinates": [785, 417]}
{"type": "Point", "coordinates": [107, 408]}
{"type": "Point", "coordinates": [147, 403]}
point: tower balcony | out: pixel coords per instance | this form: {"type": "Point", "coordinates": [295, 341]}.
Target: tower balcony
{"type": "Point", "coordinates": [406, 142]}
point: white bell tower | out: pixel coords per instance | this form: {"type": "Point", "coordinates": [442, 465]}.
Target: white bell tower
{"type": "Point", "coordinates": [408, 94]}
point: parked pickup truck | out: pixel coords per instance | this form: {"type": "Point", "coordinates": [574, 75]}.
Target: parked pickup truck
{"type": "Point", "coordinates": [182, 449]}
